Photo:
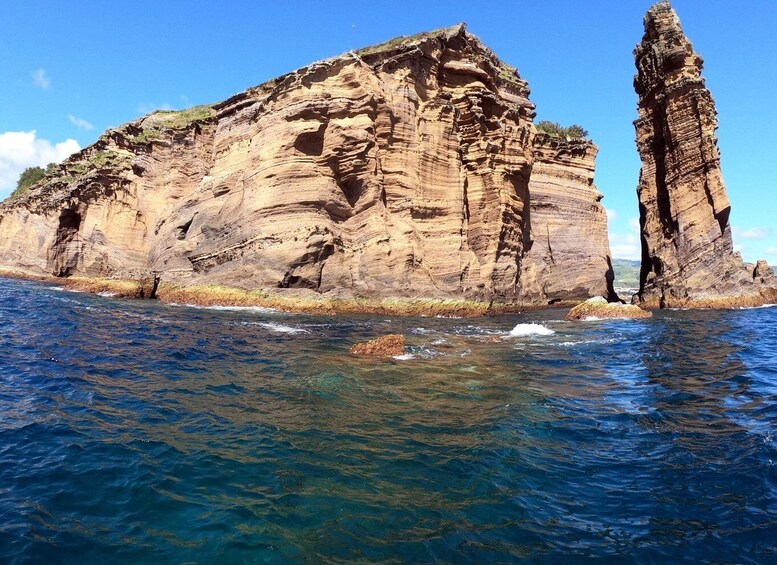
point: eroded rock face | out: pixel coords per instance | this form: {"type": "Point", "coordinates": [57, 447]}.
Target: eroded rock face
{"type": "Point", "coordinates": [569, 255]}
{"type": "Point", "coordinates": [688, 257]}
{"type": "Point", "coordinates": [399, 170]}
{"type": "Point", "coordinates": [766, 279]}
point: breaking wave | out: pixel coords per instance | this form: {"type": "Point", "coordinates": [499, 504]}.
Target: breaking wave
{"type": "Point", "coordinates": [530, 329]}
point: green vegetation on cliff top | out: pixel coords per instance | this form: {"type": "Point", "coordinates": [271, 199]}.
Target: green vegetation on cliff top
{"type": "Point", "coordinates": [555, 129]}
{"type": "Point", "coordinates": [155, 123]}
{"type": "Point", "coordinates": [29, 177]}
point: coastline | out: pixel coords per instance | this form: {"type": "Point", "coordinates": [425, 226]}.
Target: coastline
{"type": "Point", "coordinates": [217, 295]}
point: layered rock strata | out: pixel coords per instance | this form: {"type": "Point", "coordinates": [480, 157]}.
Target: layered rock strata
{"type": "Point", "coordinates": [569, 256]}
{"type": "Point", "coordinates": [688, 257]}
{"type": "Point", "coordinates": [398, 170]}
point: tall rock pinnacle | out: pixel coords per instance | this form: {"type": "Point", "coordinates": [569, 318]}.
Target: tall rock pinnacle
{"type": "Point", "coordinates": [688, 256]}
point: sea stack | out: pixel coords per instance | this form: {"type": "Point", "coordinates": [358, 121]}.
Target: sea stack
{"type": "Point", "coordinates": [688, 257]}
{"type": "Point", "coordinates": [400, 170]}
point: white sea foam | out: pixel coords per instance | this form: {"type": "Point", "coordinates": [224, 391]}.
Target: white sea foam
{"type": "Point", "coordinates": [755, 307]}
{"type": "Point", "coordinates": [404, 357]}
{"type": "Point", "coordinates": [280, 328]}
{"type": "Point", "coordinates": [249, 309]}
{"type": "Point", "coordinates": [530, 329]}
{"type": "Point", "coordinates": [106, 294]}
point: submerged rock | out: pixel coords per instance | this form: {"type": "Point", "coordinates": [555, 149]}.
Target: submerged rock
{"type": "Point", "coordinates": [386, 346]}
{"type": "Point", "coordinates": [598, 307]}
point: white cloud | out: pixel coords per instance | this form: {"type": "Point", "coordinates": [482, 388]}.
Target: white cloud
{"type": "Point", "coordinates": [627, 245]}
{"type": "Point", "coordinates": [22, 149]}
{"type": "Point", "coordinates": [771, 250]}
{"type": "Point", "coordinates": [750, 233]}
{"type": "Point", "coordinates": [612, 215]}
{"type": "Point", "coordinates": [40, 78]}
{"type": "Point", "coordinates": [79, 122]}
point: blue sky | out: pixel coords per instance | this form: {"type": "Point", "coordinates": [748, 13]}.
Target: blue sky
{"type": "Point", "coordinates": [72, 69]}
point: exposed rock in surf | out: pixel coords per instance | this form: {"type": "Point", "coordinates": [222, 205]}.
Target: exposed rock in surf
{"type": "Point", "coordinates": [386, 346]}
{"type": "Point", "coordinates": [599, 308]}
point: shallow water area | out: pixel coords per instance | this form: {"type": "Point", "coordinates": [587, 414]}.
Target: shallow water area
{"type": "Point", "coordinates": [146, 432]}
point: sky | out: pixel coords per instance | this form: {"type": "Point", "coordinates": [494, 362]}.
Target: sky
{"type": "Point", "coordinates": [70, 70]}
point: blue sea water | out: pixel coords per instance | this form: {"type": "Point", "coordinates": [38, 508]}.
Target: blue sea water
{"type": "Point", "coordinates": [134, 431]}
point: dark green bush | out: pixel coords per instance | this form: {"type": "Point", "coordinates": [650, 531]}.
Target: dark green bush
{"type": "Point", "coordinates": [29, 177]}
{"type": "Point", "coordinates": [557, 130]}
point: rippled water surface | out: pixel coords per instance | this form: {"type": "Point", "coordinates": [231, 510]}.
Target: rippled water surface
{"type": "Point", "coordinates": [141, 432]}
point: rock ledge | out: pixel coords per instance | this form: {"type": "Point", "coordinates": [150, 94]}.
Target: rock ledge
{"type": "Point", "coordinates": [598, 307]}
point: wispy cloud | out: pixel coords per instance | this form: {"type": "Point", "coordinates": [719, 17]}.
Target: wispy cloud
{"type": "Point", "coordinates": [79, 122]}
{"type": "Point", "coordinates": [612, 215]}
{"type": "Point", "coordinates": [40, 78]}
{"type": "Point", "coordinates": [750, 233]}
{"type": "Point", "coordinates": [22, 149]}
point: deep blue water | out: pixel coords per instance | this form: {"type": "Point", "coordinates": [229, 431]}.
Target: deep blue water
{"type": "Point", "coordinates": [133, 431]}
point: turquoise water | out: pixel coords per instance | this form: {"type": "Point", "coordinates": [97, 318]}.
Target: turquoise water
{"type": "Point", "coordinates": [141, 432]}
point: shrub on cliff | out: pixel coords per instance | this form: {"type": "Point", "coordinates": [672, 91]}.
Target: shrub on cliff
{"type": "Point", "coordinates": [557, 130]}
{"type": "Point", "coordinates": [29, 177]}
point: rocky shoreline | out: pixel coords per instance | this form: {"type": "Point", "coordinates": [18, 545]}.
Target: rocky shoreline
{"type": "Point", "coordinates": [307, 303]}
{"type": "Point", "coordinates": [311, 303]}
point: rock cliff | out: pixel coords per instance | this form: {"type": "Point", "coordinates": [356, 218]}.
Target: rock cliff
{"type": "Point", "coordinates": [569, 256]}
{"type": "Point", "coordinates": [398, 170]}
{"type": "Point", "coordinates": [688, 257]}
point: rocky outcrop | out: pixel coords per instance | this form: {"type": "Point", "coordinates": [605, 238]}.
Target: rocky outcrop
{"type": "Point", "coordinates": [386, 346]}
{"type": "Point", "coordinates": [598, 308]}
{"type": "Point", "coordinates": [399, 170]}
{"type": "Point", "coordinates": [569, 257]}
{"type": "Point", "coordinates": [765, 278]}
{"type": "Point", "coordinates": [688, 257]}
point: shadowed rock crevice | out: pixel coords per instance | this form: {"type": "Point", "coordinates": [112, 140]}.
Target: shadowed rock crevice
{"type": "Point", "coordinates": [65, 251]}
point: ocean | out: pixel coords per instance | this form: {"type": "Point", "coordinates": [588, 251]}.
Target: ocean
{"type": "Point", "coordinates": [142, 432]}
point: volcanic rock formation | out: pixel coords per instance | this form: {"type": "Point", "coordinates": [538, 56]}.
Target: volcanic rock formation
{"type": "Point", "coordinates": [398, 170]}
{"type": "Point", "coordinates": [570, 253]}
{"type": "Point", "coordinates": [688, 257]}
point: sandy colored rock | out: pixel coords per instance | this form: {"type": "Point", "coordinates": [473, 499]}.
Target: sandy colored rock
{"type": "Point", "coordinates": [388, 345]}
{"type": "Point", "coordinates": [765, 278]}
{"type": "Point", "coordinates": [401, 170]}
{"type": "Point", "coordinates": [568, 255]}
{"type": "Point", "coordinates": [688, 257]}
{"type": "Point", "coordinates": [598, 307]}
